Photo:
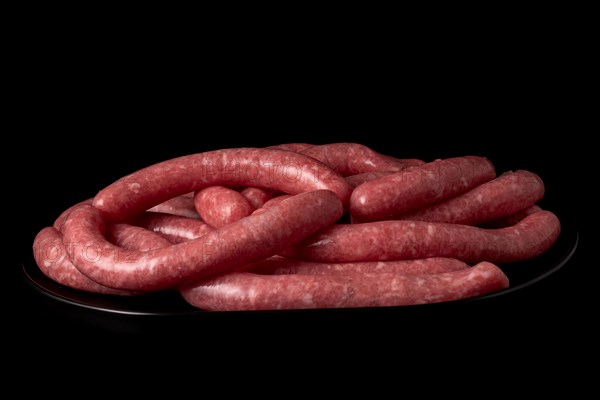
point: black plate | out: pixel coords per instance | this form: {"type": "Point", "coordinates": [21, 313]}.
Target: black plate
{"type": "Point", "coordinates": [170, 303]}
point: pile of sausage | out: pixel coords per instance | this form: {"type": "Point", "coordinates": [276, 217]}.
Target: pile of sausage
{"type": "Point", "coordinates": [301, 226]}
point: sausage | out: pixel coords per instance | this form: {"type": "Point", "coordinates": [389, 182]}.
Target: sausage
{"type": "Point", "coordinates": [398, 240]}
{"type": "Point", "coordinates": [418, 186]}
{"type": "Point", "coordinates": [180, 205]}
{"type": "Point", "coordinates": [175, 228]}
{"type": "Point", "coordinates": [248, 240]}
{"type": "Point", "coordinates": [422, 266]}
{"type": "Point", "coordinates": [51, 257]}
{"type": "Point", "coordinates": [132, 237]}
{"type": "Point", "coordinates": [500, 197]}
{"type": "Point", "coordinates": [248, 291]}
{"type": "Point", "coordinates": [219, 206]}
{"type": "Point", "coordinates": [353, 158]}
{"type": "Point", "coordinates": [257, 196]}
{"type": "Point", "coordinates": [274, 169]}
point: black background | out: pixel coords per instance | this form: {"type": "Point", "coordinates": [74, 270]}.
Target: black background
{"type": "Point", "coordinates": [98, 118]}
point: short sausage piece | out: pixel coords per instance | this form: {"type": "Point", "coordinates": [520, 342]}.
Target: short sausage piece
{"type": "Point", "coordinates": [248, 240]}
{"type": "Point", "coordinates": [219, 206]}
{"type": "Point", "coordinates": [248, 291]}
{"type": "Point", "coordinates": [398, 240]}
{"type": "Point", "coordinates": [418, 186]}
{"type": "Point", "coordinates": [280, 170]}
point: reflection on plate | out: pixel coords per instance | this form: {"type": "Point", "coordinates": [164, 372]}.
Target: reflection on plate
{"type": "Point", "coordinates": [170, 303]}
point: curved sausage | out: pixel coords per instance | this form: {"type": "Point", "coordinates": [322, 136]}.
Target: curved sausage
{"type": "Point", "coordinates": [422, 266]}
{"type": "Point", "coordinates": [353, 158]}
{"type": "Point", "coordinates": [418, 186]}
{"type": "Point", "coordinates": [250, 239]}
{"type": "Point", "coordinates": [180, 205]}
{"type": "Point", "coordinates": [500, 197]}
{"type": "Point", "coordinates": [248, 291]}
{"type": "Point", "coordinates": [219, 206]}
{"type": "Point", "coordinates": [175, 228]}
{"type": "Point", "coordinates": [274, 169]}
{"type": "Point", "coordinates": [398, 240]}
{"type": "Point", "coordinates": [51, 257]}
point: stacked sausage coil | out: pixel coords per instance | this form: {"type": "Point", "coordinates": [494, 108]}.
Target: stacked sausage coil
{"type": "Point", "coordinates": [263, 228]}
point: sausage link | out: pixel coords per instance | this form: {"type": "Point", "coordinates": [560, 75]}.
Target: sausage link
{"type": "Point", "coordinates": [257, 196]}
{"type": "Point", "coordinates": [500, 197]}
{"type": "Point", "coordinates": [248, 291]}
{"type": "Point", "coordinates": [274, 169]}
{"type": "Point", "coordinates": [418, 186]}
{"type": "Point", "coordinates": [398, 240]}
{"type": "Point", "coordinates": [219, 206]}
{"type": "Point", "coordinates": [248, 240]}
{"type": "Point", "coordinates": [51, 257]}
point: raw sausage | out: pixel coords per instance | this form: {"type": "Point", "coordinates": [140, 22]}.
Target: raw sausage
{"type": "Point", "coordinates": [51, 257]}
{"type": "Point", "coordinates": [513, 219]}
{"type": "Point", "coordinates": [500, 197]}
{"type": "Point", "coordinates": [398, 240]}
{"type": "Point", "coordinates": [274, 169]}
{"type": "Point", "coordinates": [248, 240]}
{"type": "Point", "coordinates": [418, 186]}
{"type": "Point", "coordinates": [219, 206]}
{"type": "Point", "coordinates": [248, 291]}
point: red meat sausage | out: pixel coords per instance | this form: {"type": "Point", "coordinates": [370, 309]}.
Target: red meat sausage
{"type": "Point", "coordinates": [248, 291]}
{"type": "Point", "coordinates": [175, 228]}
{"type": "Point", "coordinates": [248, 240]}
{"type": "Point", "coordinates": [51, 257]}
{"type": "Point", "coordinates": [353, 158]}
{"type": "Point", "coordinates": [422, 266]}
{"type": "Point", "coordinates": [503, 196]}
{"type": "Point", "coordinates": [418, 186]}
{"type": "Point", "coordinates": [397, 240]}
{"type": "Point", "coordinates": [274, 169]}
{"type": "Point", "coordinates": [219, 206]}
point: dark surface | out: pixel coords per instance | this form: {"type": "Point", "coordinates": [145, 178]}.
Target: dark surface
{"type": "Point", "coordinates": [100, 129]}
